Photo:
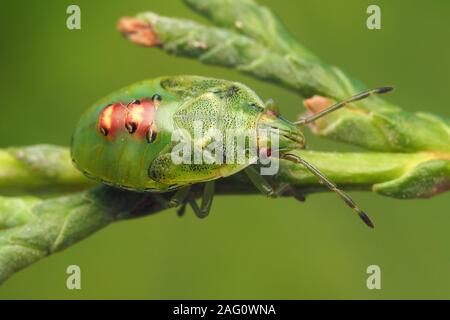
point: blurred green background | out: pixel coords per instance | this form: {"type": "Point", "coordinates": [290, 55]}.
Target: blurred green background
{"type": "Point", "coordinates": [249, 247]}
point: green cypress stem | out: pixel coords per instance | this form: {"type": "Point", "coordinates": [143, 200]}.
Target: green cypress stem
{"type": "Point", "coordinates": [32, 228]}
{"type": "Point", "coordinates": [251, 39]}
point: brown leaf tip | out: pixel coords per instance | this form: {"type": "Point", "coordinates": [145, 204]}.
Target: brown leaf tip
{"type": "Point", "coordinates": [138, 32]}
{"type": "Point", "coordinates": [316, 104]}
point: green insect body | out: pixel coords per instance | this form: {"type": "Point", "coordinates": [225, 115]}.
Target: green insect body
{"type": "Point", "coordinates": [108, 146]}
{"type": "Point", "coordinates": [126, 139]}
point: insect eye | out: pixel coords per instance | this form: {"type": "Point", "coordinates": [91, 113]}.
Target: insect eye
{"type": "Point", "coordinates": [157, 97]}
{"type": "Point", "coordinates": [151, 135]}
{"type": "Point", "coordinates": [256, 106]}
{"type": "Point", "coordinates": [104, 131]}
{"type": "Point", "coordinates": [131, 127]}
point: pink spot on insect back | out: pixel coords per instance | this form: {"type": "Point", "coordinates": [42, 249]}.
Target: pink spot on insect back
{"type": "Point", "coordinates": [137, 118]}
{"type": "Point", "coordinates": [140, 117]}
{"type": "Point", "coordinates": [112, 119]}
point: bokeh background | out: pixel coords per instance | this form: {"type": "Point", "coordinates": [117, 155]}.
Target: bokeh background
{"type": "Point", "coordinates": [250, 246]}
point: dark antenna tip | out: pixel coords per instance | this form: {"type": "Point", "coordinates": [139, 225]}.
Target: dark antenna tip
{"type": "Point", "coordinates": [382, 90]}
{"type": "Point", "coordinates": [366, 220]}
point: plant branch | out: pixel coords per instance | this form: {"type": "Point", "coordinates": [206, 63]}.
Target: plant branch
{"type": "Point", "coordinates": [251, 39]}
{"type": "Point", "coordinates": [39, 169]}
{"type": "Point", "coordinates": [32, 228]}
{"type": "Point", "coordinates": [45, 168]}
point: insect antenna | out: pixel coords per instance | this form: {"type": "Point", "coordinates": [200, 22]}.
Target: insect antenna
{"type": "Point", "coordinates": [334, 107]}
{"type": "Point", "coordinates": [324, 180]}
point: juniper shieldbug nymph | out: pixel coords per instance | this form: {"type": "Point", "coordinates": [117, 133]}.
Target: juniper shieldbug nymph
{"type": "Point", "coordinates": [126, 139]}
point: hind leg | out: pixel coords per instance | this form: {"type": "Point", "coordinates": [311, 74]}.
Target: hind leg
{"type": "Point", "coordinates": [184, 196]}
{"type": "Point", "coordinates": [179, 197]}
{"type": "Point", "coordinates": [206, 203]}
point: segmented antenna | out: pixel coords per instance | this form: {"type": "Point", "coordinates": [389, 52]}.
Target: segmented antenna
{"type": "Point", "coordinates": [334, 107]}
{"type": "Point", "coordinates": [324, 180]}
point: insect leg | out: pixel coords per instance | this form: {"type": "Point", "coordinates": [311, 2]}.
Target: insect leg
{"type": "Point", "coordinates": [195, 207]}
{"type": "Point", "coordinates": [334, 107]}
{"type": "Point", "coordinates": [260, 182]}
{"type": "Point", "coordinates": [263, 185]}
{"type": "Point", "coordinates": [207, 198]}
{"type": "Point", "coordinates": [179, 197]}
{"type": "Point", "coordinates": [182, 210]}
{"type": "Point", "coordinates": [281, 188]}
{"type": "Point", "coordinates": [324, 180]}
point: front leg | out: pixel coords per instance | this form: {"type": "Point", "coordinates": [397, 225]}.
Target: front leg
{"type": "Point", "coordinates": [263, 185]}
{"type": "Point", "coordinates": [260, 183]}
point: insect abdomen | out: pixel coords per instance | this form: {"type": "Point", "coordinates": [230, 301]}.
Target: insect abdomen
{"type": "Point", "coordinates": [116, 142]}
